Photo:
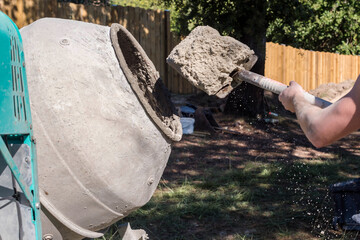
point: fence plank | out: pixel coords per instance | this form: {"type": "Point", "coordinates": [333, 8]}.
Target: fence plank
{"type": "Point", "coordinates": [175, 77]}
{"type": "Point", "coordinates": [137, 23]}
{"type": "Point", "coordinates": [168, 47]}
{"type": "Point", "coordinates": [162, 48]}
{"type": "Point", "coordinates": [143, 30]}
{"type": "Point", "coordinates": [157, 43]}
{"type": "Point", "coordinates": [309, 68]}
{"type": "Point", "coordinates": [126, 21]}
{"type": "Point", "coordinates": [171, 70]}
{"type": "Point", "coordinates": [121, 11]}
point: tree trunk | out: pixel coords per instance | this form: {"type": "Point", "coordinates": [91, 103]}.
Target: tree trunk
{"type": "Point", "coordinates": [246, 99]}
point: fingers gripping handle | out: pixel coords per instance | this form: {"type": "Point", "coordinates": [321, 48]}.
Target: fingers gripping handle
{"type": "Point", "coordinates": [274, 86]}
{"type": "Point", "coordinates": [316, 101]}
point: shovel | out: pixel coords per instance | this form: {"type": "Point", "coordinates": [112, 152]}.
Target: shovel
{"type": "Point", "coordinates": [273, 86]}
{"type": "Point", "coordinates": [217, 64]}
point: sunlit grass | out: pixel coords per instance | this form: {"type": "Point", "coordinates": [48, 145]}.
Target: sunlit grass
{"type": "Point", "coordinates": [282, 200]}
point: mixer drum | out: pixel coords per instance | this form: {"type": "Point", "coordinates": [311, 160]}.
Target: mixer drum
{"type": "Point", "coordinates": [103, 124]}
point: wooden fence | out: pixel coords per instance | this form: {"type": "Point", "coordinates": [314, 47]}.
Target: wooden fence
{"type": "Point", "coordinates": [151, 28]}
{"type": "Point", "coordinates": [309, 68]}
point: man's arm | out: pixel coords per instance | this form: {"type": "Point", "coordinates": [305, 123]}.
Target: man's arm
{"type": "Point", "coordinates": [324, 126]}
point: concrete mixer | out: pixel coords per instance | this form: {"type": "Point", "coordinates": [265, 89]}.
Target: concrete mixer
{"type": "Point", "coordinates": [19, 197]}
{"type": "Point", "coordinates": [103, 123]}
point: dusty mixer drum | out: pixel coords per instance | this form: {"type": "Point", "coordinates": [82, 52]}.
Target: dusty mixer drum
{"type": "Point", "coordinates": [102, 120]}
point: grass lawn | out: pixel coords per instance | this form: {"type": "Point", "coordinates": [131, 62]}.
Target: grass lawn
{"type": "Point", "coordinates": [263, 182]}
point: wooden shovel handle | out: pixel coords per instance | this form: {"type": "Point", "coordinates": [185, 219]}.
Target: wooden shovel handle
{"type": "Point", "coordinates": [274, 86]}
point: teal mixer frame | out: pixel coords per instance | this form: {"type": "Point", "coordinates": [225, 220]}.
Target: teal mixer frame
{"type": "Point", "coordinates": [19, 196]}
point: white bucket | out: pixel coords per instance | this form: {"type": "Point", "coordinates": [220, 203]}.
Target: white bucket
{"type": "Point", "coordinates": [187, 125]}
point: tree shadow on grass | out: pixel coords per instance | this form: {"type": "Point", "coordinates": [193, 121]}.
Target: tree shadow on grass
{"type": "Point", "coordinates": [261, 201]}
{"type": "Point", "coordinates": [263, 182]}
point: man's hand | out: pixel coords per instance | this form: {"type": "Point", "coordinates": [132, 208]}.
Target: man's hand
{"type": "Point", "coordinates": [287, 96]}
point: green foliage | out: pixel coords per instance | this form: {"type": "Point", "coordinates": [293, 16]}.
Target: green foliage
{"type": "Point", "coordinates": [146, 4]}
{"type": "Point", "coordinates": [229, 17]}
{"type": "Point", "coordinates": [323, 25]}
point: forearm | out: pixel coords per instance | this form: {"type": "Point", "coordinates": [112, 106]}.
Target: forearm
{"type": "Point", "coordinates": [324, 126]}
{"type": "Point", "coordinates": [308, 117]}
{"type": "Point", "coordinates": [307, 114]}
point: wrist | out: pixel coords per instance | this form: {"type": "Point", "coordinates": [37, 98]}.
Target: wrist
{"type": "Point", "coordinates": [301, 106]}
{"type": "Point", "coordinates": [298, 97]}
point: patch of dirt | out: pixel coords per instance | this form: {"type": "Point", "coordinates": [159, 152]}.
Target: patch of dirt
{"type": "Point", "coordinates": [249, 140]}
{"type": "Point", "coordinates": [253, 140]}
